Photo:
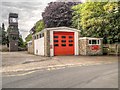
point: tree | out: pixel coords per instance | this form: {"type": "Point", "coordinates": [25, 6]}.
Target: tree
{"type": "Point", "coordinates": [58, 14]}
{"type": "Point", "coordinates": [39, 26]}
{"type": "Point", "coordinates": [97, 19]}
{"type": "Point", "coordinates": [20, 41]}
{"type": "Point", "coordinates": [112, 11]}
{"type": "Point", "coordinates": [0, 35]}
{"type": "Point", "coordinates": [3, 35]}
{"type": "Point", "coordinates": [36, 28]}
{"type": "Point", "coordinates": [28, 38]}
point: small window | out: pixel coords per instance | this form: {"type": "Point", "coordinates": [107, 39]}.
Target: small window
{"type": "Point", "coordinates": [56, 45]}
{"type": "Point", "coordinates": [34, 37]}
{"type": "Point", "coordinates": [70, 36]}
{"type": "Point", "coordinates": [63, 45]}
{"type": "Point", "coordinates": [94, 42]}
{"type": "Point", "coordinates": [63, 41]}
{"type": "Point", "coordinates": [70, 40]}
{"type": "Point", "coordinates": [63, 36]}
{"type": "Point", "coordinates": [55, 40]}
{"type": "Point", "coordinates": [40, 35]}
{"type": "Point", "coordinates": [37, 36]}
{"type": "Point", "coordinates": [70, 44]}
{"type": "Point", "coordinates": [55, 36]}
{"type": "Point", "coordinates": [29, 44]}
{"type": "Point", "coordinates": [90, 41]}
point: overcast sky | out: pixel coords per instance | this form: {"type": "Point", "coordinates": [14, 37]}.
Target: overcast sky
{"type": "Point", "coordinates": [29, 13]}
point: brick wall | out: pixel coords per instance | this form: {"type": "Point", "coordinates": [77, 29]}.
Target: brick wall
{"type": "Point", "coordinates": [82, 46]}
{"type": "Point", "coordinates": [47, 42]}
{"type": "Point", "coordinates": [86, 49]}
{"type": "Point", "coordinates": [94, 52]}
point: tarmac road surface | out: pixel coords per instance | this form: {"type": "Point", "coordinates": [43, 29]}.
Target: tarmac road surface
{"type": "Point", "coordinates": [95, 76]}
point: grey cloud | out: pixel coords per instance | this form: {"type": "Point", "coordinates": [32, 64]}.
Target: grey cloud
{"type": "Point", "coordinates": [22, 0]}
{"type": "Point", "coordinates": [23, 5]}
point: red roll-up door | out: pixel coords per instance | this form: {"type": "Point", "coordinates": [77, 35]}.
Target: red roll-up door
{"type": "Point", "coordinates": [63, 43]}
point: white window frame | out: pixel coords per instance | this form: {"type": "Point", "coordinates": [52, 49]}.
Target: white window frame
{"type": "Point", "coordinates": [98, 40]}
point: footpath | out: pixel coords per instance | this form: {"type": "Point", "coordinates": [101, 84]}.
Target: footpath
{"type": "Point", "coordinates": [21, 62]}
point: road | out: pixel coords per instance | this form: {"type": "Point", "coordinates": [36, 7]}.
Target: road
{"type": "Point", "coordinates": [95, 76]}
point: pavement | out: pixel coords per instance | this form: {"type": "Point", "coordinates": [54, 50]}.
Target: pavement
{"type": "Point", "coordinates": [21, 63]}
{"type": "Point", "coordinates": [91, 76]}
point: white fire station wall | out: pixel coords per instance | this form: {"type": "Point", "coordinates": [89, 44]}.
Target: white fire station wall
{"type": "Point", "coordinates": [76, 43]}
{"type": "Point", "coordinates": [39, 46]}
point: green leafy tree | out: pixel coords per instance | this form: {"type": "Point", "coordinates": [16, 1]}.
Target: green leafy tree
{"type": "Point", "coordinates": [3, 40]}
{"type": "Point", "coordinates": [112, 11]}
{"type": "Point", "coordinates": [21, 42]}
{"type": "Point", "coordinates": [39, 26]}
{"type": "Point", "coordinates": [97, 19]}
{"type": "Point", "coordinates": [28, 38]}
{"type": "Point", "coordinates": [36, 28]}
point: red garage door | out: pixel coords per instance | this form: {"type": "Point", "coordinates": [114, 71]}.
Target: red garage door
{"type": "Point", "coordinates": [63, 43]}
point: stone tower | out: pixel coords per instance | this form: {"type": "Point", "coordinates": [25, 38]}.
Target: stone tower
{"type": "Point", "coordinates": [13, 33]}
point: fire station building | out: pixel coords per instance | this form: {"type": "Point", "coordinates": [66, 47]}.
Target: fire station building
{"type": "Point", "coordinates": [58, 41]}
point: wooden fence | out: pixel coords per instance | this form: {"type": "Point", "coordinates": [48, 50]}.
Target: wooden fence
{"type": "Point", "coordinates": [111, 49]}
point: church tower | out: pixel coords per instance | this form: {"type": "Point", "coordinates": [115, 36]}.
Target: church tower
{"type": "Point", "coordinates": [13, 32]}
